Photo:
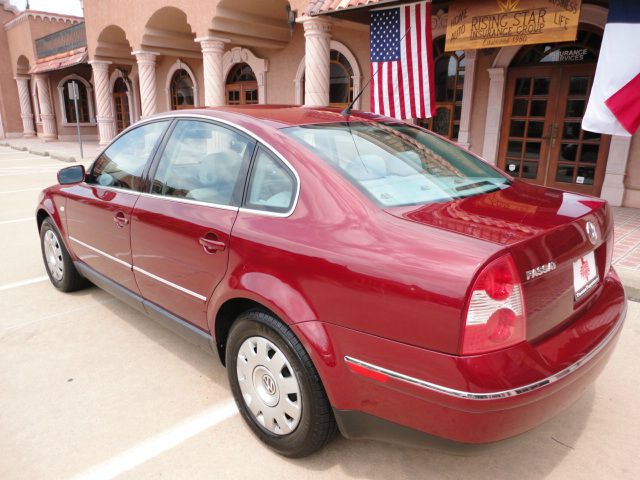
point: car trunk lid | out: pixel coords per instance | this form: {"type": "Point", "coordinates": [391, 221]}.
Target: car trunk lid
{"type": "Point", "coordinates": [547, 232]}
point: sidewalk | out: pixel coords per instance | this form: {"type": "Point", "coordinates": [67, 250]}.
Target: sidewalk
{"type": "Point", "coordinates": [64, 151]}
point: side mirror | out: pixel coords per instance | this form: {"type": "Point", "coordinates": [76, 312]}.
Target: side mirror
{"type": "Point", "coordinates": [71, 175]}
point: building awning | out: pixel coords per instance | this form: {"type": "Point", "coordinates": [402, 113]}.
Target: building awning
{"type": "Point", "coordinates": [319, 7]}
{"type": "Point", "coordinates": [60, 61]}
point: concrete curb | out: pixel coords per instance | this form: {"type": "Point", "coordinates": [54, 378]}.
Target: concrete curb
{"type": "Point", "coordinates": [631, 281]}
{"type": "Point", "coordinates": [43, 153]}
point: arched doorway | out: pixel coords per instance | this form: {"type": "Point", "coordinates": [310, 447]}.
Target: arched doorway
{"type": "Point", "coordinates": [547, 90]}
{"type": "Point", "coordinates": [182, 90]}
{"type": "Point", "coordinates": [121, 104]}
{"type": "Point", "coordinates": [449, 70]}
{"type": "Point", "coordinates": [241, 86]}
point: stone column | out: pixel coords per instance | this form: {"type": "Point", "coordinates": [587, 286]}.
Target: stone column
{"type": "Point", "coordinates": [25, 107]}
{"type": "Point", "coordinates": [468, 90]}
{"type": "Point", "coordinates": [613, 187]}
{"type": "Point", "coordinates": [317, 47]}
{"type": "Point", "coordinates": [104, 101]}
{"type": "Point", "coordinates": [494, 114]}
{"type": "Point", "coordinates": [212, 52]}
{"type": "Point", "coordinates": [147, 74]}
{"type": "Point", "coordinates": [49, 130]}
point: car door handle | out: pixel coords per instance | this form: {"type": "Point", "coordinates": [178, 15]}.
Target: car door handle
{"type": "Point", "coordinates": [211, 244]}
{"type": "Point", "coordinates": [120, 220]}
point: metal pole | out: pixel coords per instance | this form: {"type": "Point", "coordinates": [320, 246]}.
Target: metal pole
{"type": "Point", "coordinates": [75, 103]}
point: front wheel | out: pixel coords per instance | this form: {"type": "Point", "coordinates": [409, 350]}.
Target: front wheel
{"type": "Point", "coordinates": [276, 386]}
{"type": "Point", "coordinates": [60, 268]}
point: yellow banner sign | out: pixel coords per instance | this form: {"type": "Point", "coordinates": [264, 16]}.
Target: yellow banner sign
{"type": "Point", "coordinates": [497, 23]}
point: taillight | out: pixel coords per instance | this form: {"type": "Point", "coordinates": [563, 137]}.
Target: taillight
{"type": "Point", "coordinates": [495, 316]}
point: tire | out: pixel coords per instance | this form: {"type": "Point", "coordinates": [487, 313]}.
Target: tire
{"type": "Point", "coordinates": [57, 262]}
{"type": "Point", "coordinates": [293, 417]}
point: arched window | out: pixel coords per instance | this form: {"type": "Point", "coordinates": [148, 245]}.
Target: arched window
{"type": "Point", "coordinates": [84, 112]}
{"type": "Point", "coordinates": [182, 90]}
{"type": "Point", "coordinates": [121, 104]}
{"type": "Point", "coordinates": [449, 70]}
{"type": "Point", "coordinates": [242, 86]}
{"type": "Point", "coordinates": [340, 80]}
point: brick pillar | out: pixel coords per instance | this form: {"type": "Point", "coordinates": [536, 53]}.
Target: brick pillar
{"type": "Point", "coordinates": [46, 108]}
{"type": "Point", "coordinates": [104, 101]}
{"type": "Point", "coordinates": [317, 48]}
{"type": "Point", "coordinates": [25, 107]}
{"type": "Point", "coordinates": [147, 73]}
{"type": "Point", "coordinates": [212, 52]}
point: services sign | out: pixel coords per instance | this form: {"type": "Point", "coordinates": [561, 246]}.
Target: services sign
{"type": "Point", "coordinates": [477, 24]}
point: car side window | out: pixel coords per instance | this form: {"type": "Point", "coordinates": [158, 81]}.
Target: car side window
{"type": "Point", "coordinates": [203, 161]}
{"type": "Point", "coordinates": [272, 186]}
{"type": "Point", "coordinates": [122, 164]}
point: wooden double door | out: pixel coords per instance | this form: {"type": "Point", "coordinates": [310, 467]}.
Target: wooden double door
{"type": "Point", "coordinates": [541, 139]}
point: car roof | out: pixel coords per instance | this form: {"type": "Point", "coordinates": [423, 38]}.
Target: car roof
{"type": "Point", "coordinates": [281, 116]}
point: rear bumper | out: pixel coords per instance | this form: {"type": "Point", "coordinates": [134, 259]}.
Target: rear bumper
{"type": "Point", "coordinates": [476, 399]}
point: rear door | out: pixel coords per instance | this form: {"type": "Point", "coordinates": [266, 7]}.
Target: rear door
{"type": "Point", "coordinates": [180, 230]}
{"type": "Point", "coordinates": [98, 211]}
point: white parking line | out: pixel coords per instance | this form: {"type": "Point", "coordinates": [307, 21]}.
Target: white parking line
{"type": "Point", "coordinates": [23, 283]}
{"type": "Point", "coordinates": [159, 444]}
{"type": "Point", "coordinates": [23, 190]}
{"type": "Point", "coordinates": [17, 220]}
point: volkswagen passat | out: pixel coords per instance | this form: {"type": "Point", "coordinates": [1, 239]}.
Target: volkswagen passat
{"type": "Point", "coordinates": [352, 272]}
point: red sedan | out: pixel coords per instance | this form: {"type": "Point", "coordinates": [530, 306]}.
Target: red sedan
{"type": "Point", "coordinates": [352, 272]}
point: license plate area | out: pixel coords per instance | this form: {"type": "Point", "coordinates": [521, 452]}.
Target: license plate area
{"type": "Point", "coordinates": [585, 275]}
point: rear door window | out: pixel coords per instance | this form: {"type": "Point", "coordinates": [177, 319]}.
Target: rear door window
{"type": "Point", "coordinates": [122, 164]}
{"type": "Point", "coordinates": [205, 162]}
{"type": "Point", "coordinates": [272, 186]}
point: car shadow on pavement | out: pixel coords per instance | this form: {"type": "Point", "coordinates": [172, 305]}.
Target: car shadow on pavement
{"type": "Point", "coordinates": [534, 454]}
{"type": "Point", "coordinates": [205, 362]}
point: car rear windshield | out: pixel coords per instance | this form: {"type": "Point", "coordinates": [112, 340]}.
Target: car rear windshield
{"type": "Point", "coordinates": [398, 164]}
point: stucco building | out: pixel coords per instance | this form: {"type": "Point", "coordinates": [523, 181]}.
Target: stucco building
{"type": "Point", "coordinates": [518, 107]}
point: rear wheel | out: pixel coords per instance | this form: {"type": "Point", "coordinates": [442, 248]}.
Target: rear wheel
{"type": "Point", "coordinates": [276, 386]}
{"type": "Point", "coordinates": [60, 268]}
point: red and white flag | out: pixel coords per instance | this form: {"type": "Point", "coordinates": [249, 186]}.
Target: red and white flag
{"type": "Point", "coordinates": [614, 103]}
{"type": "Point", "coordinates": [402, 61]}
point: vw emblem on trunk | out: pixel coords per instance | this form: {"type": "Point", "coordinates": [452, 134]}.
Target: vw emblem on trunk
{"type": "Point", "coordinates": [269, 384]}
{"type": "Point", "coordinates": [592, 233]}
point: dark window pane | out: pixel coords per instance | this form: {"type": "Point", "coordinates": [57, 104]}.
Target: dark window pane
{"type": "Point", "coordinates": [589, 153]}
{"type": "Point", "coordinates": [538, 108]}
{"type": "Point", "coordinates": [590, 136]}
{"type": "Point", "coordinates": [535, 129]}
{"type": "Point", "coordinates": [568, 151]}
{"type": "Point", "coordinates": [512, 168]}
{"type": "Point", "coordinates": [585, 175]}
{"type": "Point", "coordinates": [459, 94]}
{"type": "Point", "coordinates": [457, 112]}
{"type": "Point", "coordinates": [575, 108]}
{"type": "Point", "coordinates": [571, 131]}
{"type": "Point", "coordinates": [338, 84]}
{"type": "Point", "coordinates": [520, 108]}
{"type": "Point", "coordinates": [517, 128]}
{"type": "Point", "coordinates": [529, 169]}
{"type": "Point", "coordinates": [532, 150]}
{"type": "Point", "coordinates": [522, 86]}
{"type": "Point", "coordinates": [578, 85]}
{"type": "Point", "coordinates": [514, 149]}
{"type": "Point", "coordinates": [541, 86]}
{"type": "Point", "coordinates": [564, 174]}
{"type": "Point", "coordinates": [456, 131]}
{"type": "Point", "coordinates": [442, 121]}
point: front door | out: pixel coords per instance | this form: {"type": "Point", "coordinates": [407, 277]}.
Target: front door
{"type": "Point", "coordinates": [98, 211]}
{"type": "Point", "coordinates": [541, 139]}
{"type": "Point", "coordinates": [181, 229]}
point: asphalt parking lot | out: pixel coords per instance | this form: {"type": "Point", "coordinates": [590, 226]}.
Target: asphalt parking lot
{"type": "Point", "coordinates": [91, 389]}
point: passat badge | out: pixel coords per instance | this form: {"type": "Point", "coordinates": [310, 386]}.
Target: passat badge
{"type": "Point", "coordinates": [592, 233]}
{"type": "Point", "coordinates": [541, 270]}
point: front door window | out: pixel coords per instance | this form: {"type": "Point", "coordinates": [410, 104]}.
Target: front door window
{"type": "Point", "coordinates": [242, 86]}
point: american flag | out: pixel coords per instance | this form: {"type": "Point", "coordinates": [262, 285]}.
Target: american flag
{"type": "Point", "coordinates": [402, 61]}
